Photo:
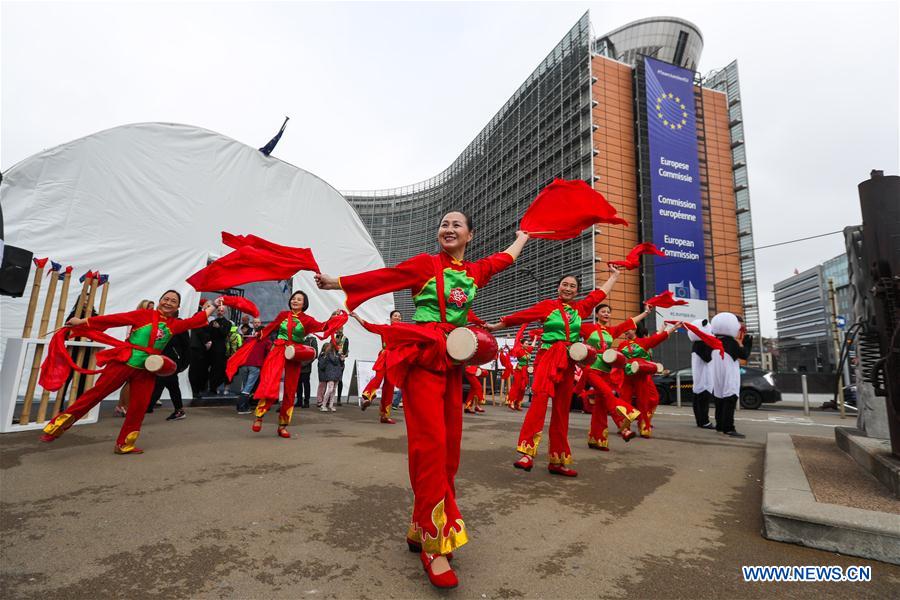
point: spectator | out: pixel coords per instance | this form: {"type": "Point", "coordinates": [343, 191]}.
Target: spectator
{"type": "Point", "coordinates": [178, 349]}
{"type": "Point", "coordinates": [249, 374]}
{"type": "Point", "coordinates": [125, 392]}
{"type": "Point", "coordinates": [219, 332]}
{"type": "Point", "coordinates": [198, 373]}
{"type": "Point", "coordinates": [320, 392]}
{"type": "Point", "coordinates": [303, 389]}
{"type": "Point", "coordinates": [331, 367]}
{"type": "Point", "coordinates": [234, 341]}
{"type": "Point", "coordinates": [343, 351]}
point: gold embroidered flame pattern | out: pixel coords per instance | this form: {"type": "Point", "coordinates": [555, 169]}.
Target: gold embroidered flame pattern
{"type": "Point", "coordinates": [560, 459]}
{"type": "Point", "coordinates": [58, 425]}
{"type": "Point", "coordinates": [128, 446]}
{"type": "Point", "coordinates": [530, 449]}
{"type": "Point", "coordinates": [442, 543]}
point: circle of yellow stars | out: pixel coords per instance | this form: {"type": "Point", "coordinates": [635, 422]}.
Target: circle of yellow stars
{"type": "Point", "coordinates": [670, 98]}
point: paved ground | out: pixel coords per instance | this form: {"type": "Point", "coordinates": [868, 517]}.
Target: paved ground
{"type": "Point", "coordinates": [213, 510]}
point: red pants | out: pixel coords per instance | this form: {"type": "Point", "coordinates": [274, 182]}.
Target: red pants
{"type": "Point", "coordinates": [647, 399]}
{"type": "Point", "coordinates": [606, 404]}
{"type": "Point", "coordinates": [476, 391]}
{"type": "Point", "coordinates": [517, 388]}
{"type": "Point", "coordinates": [114, 376]}
{"type": "Point", "coordinates": [387, 393]}
{"type": "Point", "coordinates": [269, 378]}
{"type": "Point", "coordinates": [432, 402]}
{"type": "Point", "coordinates": [532, 427]}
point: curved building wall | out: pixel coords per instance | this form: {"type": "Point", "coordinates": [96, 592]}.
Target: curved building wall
{"type": "Point", "coordinates": [670, 39]}
{"type": "Point", "coordinates": [542, 132]}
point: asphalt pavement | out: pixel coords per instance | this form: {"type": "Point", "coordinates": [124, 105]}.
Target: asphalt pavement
{"type": "Point", "coordinates": [212, 510]}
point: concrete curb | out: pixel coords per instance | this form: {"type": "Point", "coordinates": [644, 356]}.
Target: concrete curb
{"type": "Point", "coordinates": [791, 513]}
{"type": "Point", "coordinates": [873, 455]}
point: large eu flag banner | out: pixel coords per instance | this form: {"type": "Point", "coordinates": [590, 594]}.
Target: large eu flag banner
{"type": "Point", "coordinates": [677, 216]}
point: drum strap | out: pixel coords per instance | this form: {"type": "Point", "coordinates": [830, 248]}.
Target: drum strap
{"type": "Point", "coordinates": [565, 318]}
{"type": "Point", "coordinates": [439, 284]}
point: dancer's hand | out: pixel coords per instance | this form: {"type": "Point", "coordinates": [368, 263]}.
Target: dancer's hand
{"type": "Point", "coordinates": [493, 326]}
{"type": "Point", "coordinates": [75, 322]}
{"type": "Point", "coordinates": [327, 282]}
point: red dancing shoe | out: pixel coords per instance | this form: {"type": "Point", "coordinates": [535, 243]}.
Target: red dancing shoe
{"type": "Point", "coordinates": [598, 447]}
{"type": "Point", "coordinates": [447, 579]}
{"type": "Point", "coordinates": [526, 463]}
{"type": "Point", "coordinates": [283, 432]}
{"type": "Point", "coordinates": [627, 434]}
{"type": "Point", "coordinates": [366, 403]}
{"type": "Point", "coordinates": [127, 449]}
{"type": "Point", "coordinates": [47, 438]}
{"type": "Point", "coordinates": [469, 411]}
{"type": "Point", "coordinates": [562, 470]}
{"type": "Point", "coordinates": [257, 426]}
{"type": "Point", "coordinates": [388, 421]}
{"type": "Point", "coordinates": [478, 409]}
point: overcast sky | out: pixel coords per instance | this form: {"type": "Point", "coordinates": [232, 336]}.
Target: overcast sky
{"type": "Point", "coordinates": [387, 94]}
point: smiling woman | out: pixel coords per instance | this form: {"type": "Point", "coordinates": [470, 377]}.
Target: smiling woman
{"type": "Point", "coordinates": [444, 287]}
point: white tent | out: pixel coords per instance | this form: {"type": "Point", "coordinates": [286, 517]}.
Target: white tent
{"type": "Point", "coordinates": [146, 203]}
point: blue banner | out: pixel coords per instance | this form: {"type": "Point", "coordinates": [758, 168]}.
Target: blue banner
{"type": "Point", "coordinates": [675, 180]}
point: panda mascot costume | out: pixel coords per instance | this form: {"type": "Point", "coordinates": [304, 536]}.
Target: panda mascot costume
{"type": "Point", "coordinates": [701, 354]}
{"type": "Point", "coordinates": [725, 371]}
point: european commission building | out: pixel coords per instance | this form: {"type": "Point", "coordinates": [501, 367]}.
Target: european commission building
{"type": "Point", "coordinates": [602, 109]}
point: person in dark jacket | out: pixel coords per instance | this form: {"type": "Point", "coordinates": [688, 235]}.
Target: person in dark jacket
{"type": "Point", "coordinates": [330, 366]}
{"type": "Point", "coordinates": [219, 332]}
{"type": "Point", "coordinates": [198, 374]}
{"type": "Point", "coordinates": [178, 349]}
{"type": "Point", "coordinates": [303, 388]}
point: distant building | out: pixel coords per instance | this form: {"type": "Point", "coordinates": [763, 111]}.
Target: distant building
{"type": "Point", "coordinates": [803, 316]}
{"type": "Point", "coordinates": [627, 112]}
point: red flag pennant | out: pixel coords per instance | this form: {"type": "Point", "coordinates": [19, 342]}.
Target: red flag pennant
{"type": "Point", "coordinates": [40, 262]}
{"type": "Point", "coordinates": [633, 260]}
{"type": "Point", "coordinates": [242, 304]}
{"type": "Point", "coordinates": [710, 340]}
{"type": "Point", "coordinates": [665, 300]}
{"type": "Point", "coordinates": [565, 208]}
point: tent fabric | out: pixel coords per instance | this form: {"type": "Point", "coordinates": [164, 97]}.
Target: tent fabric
{"type": "Point", "coordinates": [146, 203]}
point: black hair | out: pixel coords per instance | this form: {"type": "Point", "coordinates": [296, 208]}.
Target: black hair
{"type": "Point", "coordinates": [604, 305]}
{"type": "Point", "coordinates": [641, 330]}
{"type": "Point", "coordinates": [305, 299]}
{"type": "Point", "coordinates": [468, 218]}
{"type": "Point", "coordinates": [395, 311]}
{"type": "Point", "coordinates": [174, 292]}
{"type": "Point", "coordinates": [573, 276]}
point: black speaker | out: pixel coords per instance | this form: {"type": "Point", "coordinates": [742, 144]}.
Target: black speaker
{"type": "Point", "coordinates": [14, 271]}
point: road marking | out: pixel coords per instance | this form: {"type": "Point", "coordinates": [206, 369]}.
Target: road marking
{"type": "Point", "coordinates": [780, 420]}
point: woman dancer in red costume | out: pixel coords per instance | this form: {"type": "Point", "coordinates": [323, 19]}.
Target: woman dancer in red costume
{"type": "Point", "coordinates": [476, 390]}
{"type": "Point", "coordinates": [380, 379]}
{"type": "Point", "coordinates": [293, 326]}
{"type": "Point", "coordinates": [640, 385]}
{"type": "Point", "coordinates": [151, 330]}
{"type": "Point", "coordinates": [443, 287]}
{"type": "Point", "coordinates": [601, 335]}
{"type": "Point", "coordinates": [554, 371]}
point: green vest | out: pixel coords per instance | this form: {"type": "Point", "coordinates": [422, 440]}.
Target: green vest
{"type": "Point", "coordinates": [633, 350]}
{"type": "Point", "coordinates": [601, 341]}
{"type": "Point", "coordinates": [555, 328]}
{"type": "Point", "coordinates": [459, 293]}
{"type": "Point", "coordinates": [299, 332]}
{"type": "Point", "coordinates": [140, 336]}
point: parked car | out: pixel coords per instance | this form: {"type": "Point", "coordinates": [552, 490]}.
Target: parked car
{"type": "Point", "coordinates": [757, 387]}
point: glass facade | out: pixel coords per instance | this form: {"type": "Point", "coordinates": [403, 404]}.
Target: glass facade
{"type": "Point", "coordinates": [728, 81]}
{"type": "Point", "coordinates": [542, 132]}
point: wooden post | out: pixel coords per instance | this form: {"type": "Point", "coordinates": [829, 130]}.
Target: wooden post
{"type": "Point", "coordinates": [79, 310]}
{"type": "Point", "coordinates": [25, 416]}
{"type": "Point", "coordinates": [87, 309]}
{"type": "Point", "coordinates": [60, 313]}
{"type": "Point", "coordinates": [92, 364]}
{"type": "Point", "coordinates": [35, 291]}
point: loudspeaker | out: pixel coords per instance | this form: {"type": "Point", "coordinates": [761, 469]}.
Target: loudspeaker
{"type": "Point", "coordinates": [14, 271]}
